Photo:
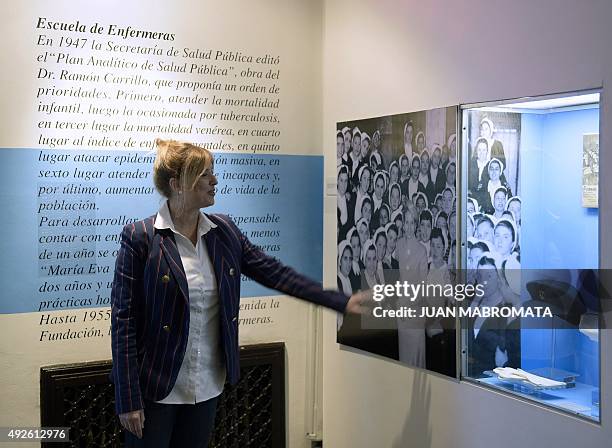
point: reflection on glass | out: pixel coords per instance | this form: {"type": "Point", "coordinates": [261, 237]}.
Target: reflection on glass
{"type": "Point", "coordinates": [532, 241]}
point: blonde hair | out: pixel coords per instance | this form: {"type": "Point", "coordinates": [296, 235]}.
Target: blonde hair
{"type": "Point", "coordinates": [180, 160]}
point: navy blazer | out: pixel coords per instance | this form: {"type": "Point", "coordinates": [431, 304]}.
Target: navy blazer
{"type": "Point", "coordinates": [150, 304]}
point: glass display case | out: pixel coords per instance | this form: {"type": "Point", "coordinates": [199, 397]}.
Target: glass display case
{"type": "Point", "coordinates": [529, 236]}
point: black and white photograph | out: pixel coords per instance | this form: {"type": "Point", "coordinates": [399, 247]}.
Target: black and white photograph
{"type": "Point", "coordinates": [396, 221]}
{"type": "Point", "coordinates": [493, 234]}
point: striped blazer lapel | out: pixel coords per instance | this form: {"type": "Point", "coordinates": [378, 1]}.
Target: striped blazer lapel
{"type": "Point", "coordinates": [211, 239]}
{"type": "Point", "coordinates": [171, 253]}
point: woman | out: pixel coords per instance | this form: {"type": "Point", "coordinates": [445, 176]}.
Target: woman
{"type": "Point", "coordinates": [394, 173]}
{"type": "Point", "coordinates": [500, 198]}
{"type": "Point", "coordinates": [363, 229]}
{"type": "Point", "coordinates": [395, 198]}
{"type": "Point", "coordinates": [404, 163]}
{"type": "Point", "coordinates": [514, 205]}
{"type": "Point", "coordinates": [451, 171]}
{"type": "Point", "coordinates": [363, 190]}
{"type": "Point", "coordinates": [504, 240]}
{"type": "Point", "coordinates": [490, 184]}
{"type": "Point", "coordinates": [384, 216]}
{"type": "Point", "coordinates": [376, 162]}
{"type": "Point", "coordinates": [484, 229]}
{"type": "Point", "coordinates": [365, 146]}
{"type": "Point", "coordinates": [380, 240]}
{"type": "Point", "coordinates": [478, 163]}
{"type": "Point", "coordinates": [369, 276]}
{"type": "Point", "coordinates": [355, 240]}
{"type": "Point", "coordinates": [175, 303]}
{"type": "Point", "coordinates": [408, 133]}
{"type": "Point", "coordinates": [497, 149]}
{"type": "Point", "coordinates": [425, 179]}
{"type": "Point", "coordinates": [392, 236]}
{"type": "Point", "coordinates": [356, 163]}
{"type": "Point", "coordinates": [425, 227]}
{"type": "Point", "coordinates": [490, 343]}
{"type": "Point", "coordinates": [345, 203]}
{"type": "Point", "coordinates": [378, 198]}
{"type": "Point", "coordinates": [339, 148]}
{"type": "Point", "coordinates": [436, 172]}
{"type": "Point", "coordinates": [452, 148]}
{"type": "Point", "coordinates": [420, 142]}
{"type": "Point", "coordinates": [412, 185]}
{"type": "Point", "coordinates": [345, 266]}
{"type": "Point", "coordinates": [346, 159]}
{"type": "Point", "coordinates": [420, 202]}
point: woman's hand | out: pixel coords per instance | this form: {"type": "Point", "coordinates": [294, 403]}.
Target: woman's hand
{"type": "Point", "coordinates": [133, 422]}
{"type": "Point", "coordinates": [359, 302]}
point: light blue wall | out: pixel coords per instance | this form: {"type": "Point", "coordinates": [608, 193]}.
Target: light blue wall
{"type": "Point", "coordinates": [557, 232]}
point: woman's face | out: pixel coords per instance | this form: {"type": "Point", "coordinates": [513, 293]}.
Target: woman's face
{"type": "Point", "coordinates": [445, 154]}
{"type": "Point", "coordinates": [434, 209]}
{"type": "Point", "coordinates": [203, 193]}
{"type": "Point", "coordinates": [394, 200]}
{"type": "Point", "coordinates": [499, 202]}
{"type": "Point", "coordinates": [408, 135]}
{"type": "Point", "coordinates": [515, 207]}
{"type": "Point", "coordinates": [379, 187]}
{"type": "Point", "coordinates": [435, 158]}
{"type": "Point", "coordinates": [394, 174]}
{"type": "Point", "coordinates": [441, 222]}
{"type": "Point", "coordinates": [384, 217]}
{"type": "Point", "coordinates": [437, 248]}
{"type": "Point", "coordinates": [450, 177]}
{"type": "Point", "coordinates": [366, 211]}
{"type": "Point", "coordinates": [486, 275]}
{"type": "Point", "coordinates": [485, 130]}
{"type": "Point", "coordinates": [364, 181]}
{"type": "Point", "coordinates": [425, 230]}
{"type": "Point", "coordinates": [484, 231]}
{"type": "Point", "coordinates": [482, 151]}
{"type": "Point", "coordinates": [420, 204]}
{"type": "Point", "coordinates": [391, 241]}
{"type": "Point", "coordinates": [381, 246]}
{"type": "Point", "coordinates": [357, 145]}
{"type": "Point", "coordinates": [346, 261]}
{"type": "Point", "coordinates": [424, 163]}
{"type": "Point", "coordinates": [339, 146]}
{"type": "Point", "coordinates": [474, 257]}
{"type": "Point", "coordinates": [370, 261]}
{"type": "Point", "coordinates": [470, 207]}
{"type": "Point", "coordinates": [420, 142]}
{"type": "Point", "coordinates": [363, 232]}
{"type": "Point", "coordinates": [342, 183]}
{"type": "Point", "coordinates": [347, 141]}
{"type": "Point", "coordinates": [398, 222]}
{"type": "Point", "coordinates": [494, 171]}
{"type": "Point", "coordinates": [404, 166]}
{"type": "Point", "coordinates": [503, 240]}
{"type": "Point", "coordinates": [409, 227]}
{"type": "Point", "coordinates": [365, 147]}
{"type": "Point", "coordinates": [447, 201]}
{"type": "Point", "coordinates": [356, 246]}
{"type": "Point", "coordinates": [376, 140]}
{"type": "Point", "coordinates": [416, 168]}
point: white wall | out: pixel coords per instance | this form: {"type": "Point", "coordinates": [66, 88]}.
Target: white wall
{"type": "Point", "coordinates": [385, 57]}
